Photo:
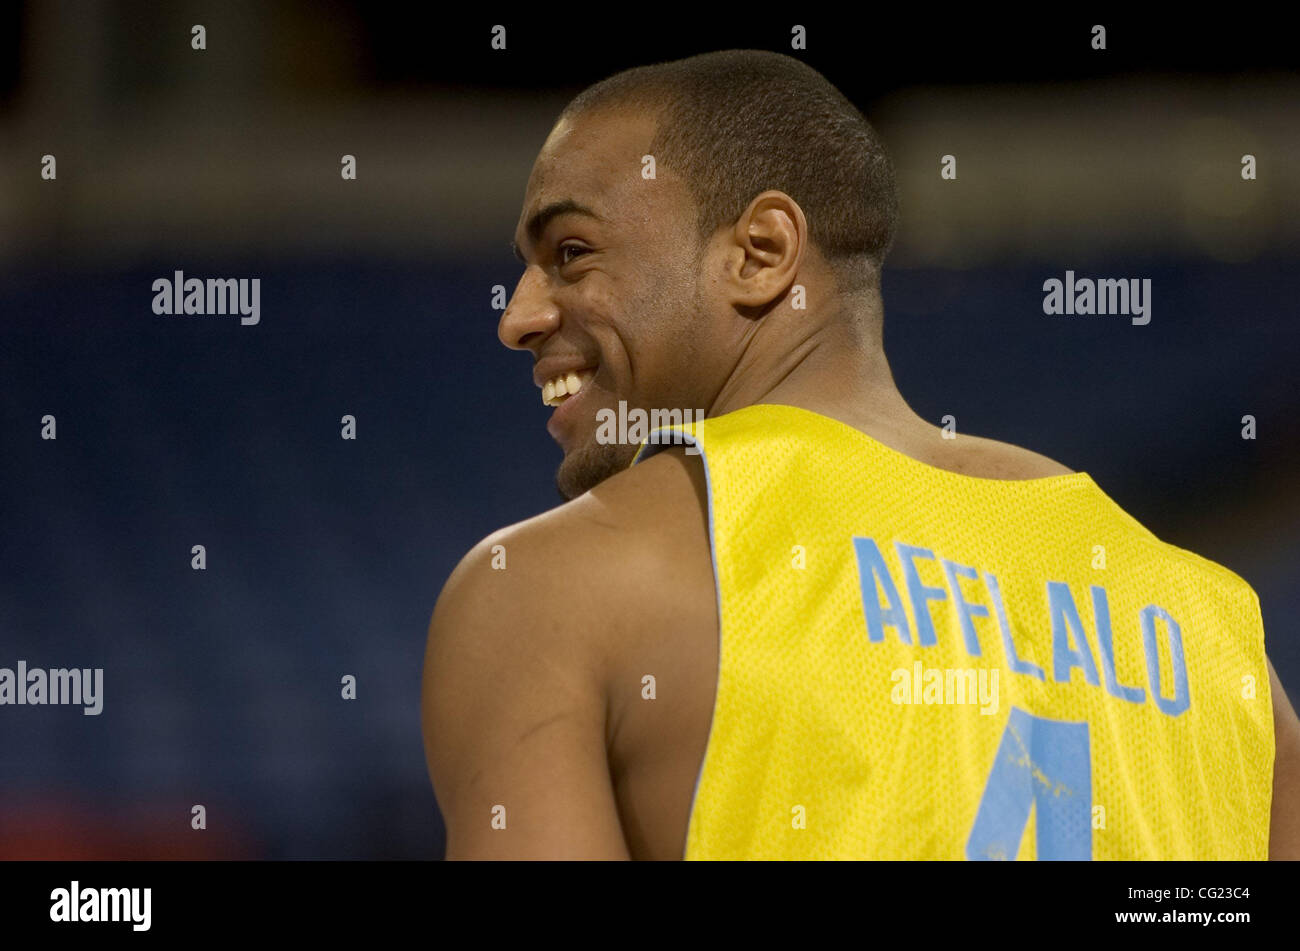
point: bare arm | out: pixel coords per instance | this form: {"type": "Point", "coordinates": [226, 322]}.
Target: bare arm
{"type": "Point", "coordinates": [513, 708]}
{"type": "Point", "coordinates": [1284, 824]}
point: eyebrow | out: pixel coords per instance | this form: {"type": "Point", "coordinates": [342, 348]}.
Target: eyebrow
{"type": "Point", "coordinates": [543, 217]}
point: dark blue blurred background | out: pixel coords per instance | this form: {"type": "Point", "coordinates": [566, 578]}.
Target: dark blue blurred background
{"type": "Point", "coordinates": [325, 556]}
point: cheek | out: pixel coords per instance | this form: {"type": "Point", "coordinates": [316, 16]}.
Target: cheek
{"type": "Point", "coordinates": [621, 320]}
{"type": "Point", "coordinates": [643, 325]}
{"type": "Point", "coordinates": [589, 319]}
{"type": "Point", "coordinates": [599, 301]}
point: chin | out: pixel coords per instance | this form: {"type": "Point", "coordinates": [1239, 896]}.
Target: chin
{"type": "Point", "coordinates": [589, 465]}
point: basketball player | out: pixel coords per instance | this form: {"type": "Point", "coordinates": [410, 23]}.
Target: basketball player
{"type": "Point", "coordinates": [726, 649]}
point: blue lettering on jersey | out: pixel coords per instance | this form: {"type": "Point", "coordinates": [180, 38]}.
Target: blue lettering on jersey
{"type": "Point", "coordinates": [872, 572]}
{"type": "Point", "coordinates": [1046, 764]}
{"type": "Point", "coordinates": [1180, 702]}
{"type": "Point", "coordinates": [1017, 665]}
{"type": "Point", "coordinates": [966, 611]}
{"type": "Point", "coordinates": [1101, 611]}
{"type": "Point", "coordinates": [920, 593]}
{"type": "Point", "coordinates": [1071, 641]}
{"type": "Point", "coordinates": [1065, 618]}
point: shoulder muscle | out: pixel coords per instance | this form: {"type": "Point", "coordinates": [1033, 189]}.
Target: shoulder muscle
{"type": "Point", "coordinates": [512, 703]}
{"type": "Point", "coordinates": [1284, 825]}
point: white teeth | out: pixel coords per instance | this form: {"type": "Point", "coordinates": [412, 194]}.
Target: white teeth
{"type": "Point", "coordinates": [556, 391]}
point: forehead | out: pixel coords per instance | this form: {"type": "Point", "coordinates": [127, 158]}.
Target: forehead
{"type": "Point", "coordinates": [595, 160]}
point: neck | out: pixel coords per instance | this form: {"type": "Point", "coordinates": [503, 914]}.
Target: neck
{"type": "Point", "coordinates": [836, 367]}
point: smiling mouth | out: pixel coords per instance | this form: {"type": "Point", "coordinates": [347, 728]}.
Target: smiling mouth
{"type": "Point", "coordinates": [558, 390]}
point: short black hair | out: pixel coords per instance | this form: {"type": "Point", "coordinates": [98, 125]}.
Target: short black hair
{"type": "Point", "coordinates": [735, 123]}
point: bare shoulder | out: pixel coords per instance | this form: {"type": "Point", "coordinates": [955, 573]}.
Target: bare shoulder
{"type": "Point", "coordinates": [1284, 826]}
{"type": "Point", "coordinates": [595, 550]}
{"type": "Point", "coordinates": [576, 581]}
{"type": "Point", "coordinates": [528, 634]}
{"type": "Point", "coordinates": [662, 498]}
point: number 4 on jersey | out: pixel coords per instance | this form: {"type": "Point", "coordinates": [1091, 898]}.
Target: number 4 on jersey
{"type": "Point", "coordinates": [1045, 764]}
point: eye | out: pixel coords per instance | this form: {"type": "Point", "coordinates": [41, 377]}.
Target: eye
{"type": "Point", "coordinates": [564, 250]}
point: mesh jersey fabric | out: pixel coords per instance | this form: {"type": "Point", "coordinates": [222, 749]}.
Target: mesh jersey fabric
{"type": "Point", "coordinates": [1116, 693]}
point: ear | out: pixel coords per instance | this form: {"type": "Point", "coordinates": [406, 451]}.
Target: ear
{"type": "Point", "coordinates": [766, 248]}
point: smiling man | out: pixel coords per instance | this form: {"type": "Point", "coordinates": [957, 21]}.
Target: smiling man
{"type": "Point", "coordinates": [699, 654]}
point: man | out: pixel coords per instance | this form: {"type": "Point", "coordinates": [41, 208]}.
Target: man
{"type": "Point", "coordinates": [780, 592]}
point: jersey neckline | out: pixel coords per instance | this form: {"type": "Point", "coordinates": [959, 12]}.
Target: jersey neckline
{"type": "Point", "coordinates": [1067, 478]}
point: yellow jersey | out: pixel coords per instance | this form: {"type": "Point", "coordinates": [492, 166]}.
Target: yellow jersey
{"type": "Point", "coordinates": [919, 664]}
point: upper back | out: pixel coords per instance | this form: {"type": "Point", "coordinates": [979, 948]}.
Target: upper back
{"type": "Point", "coordinates": [1121, 706]}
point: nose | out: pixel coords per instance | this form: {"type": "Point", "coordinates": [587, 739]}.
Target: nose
{"type": "Point", "coordinates": [530, 316]}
